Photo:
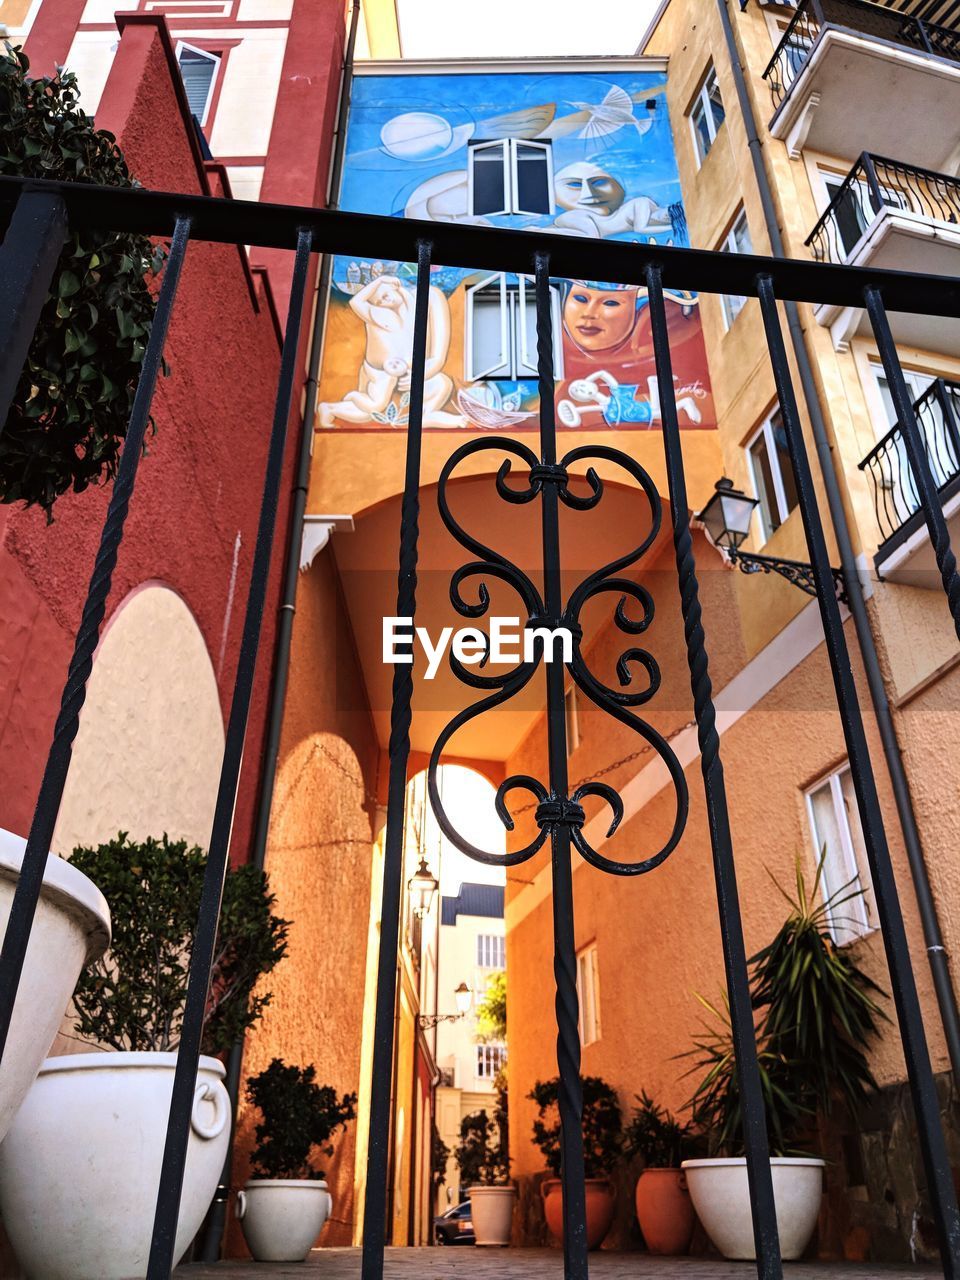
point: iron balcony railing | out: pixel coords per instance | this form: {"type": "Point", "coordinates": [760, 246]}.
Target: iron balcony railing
{"type": "Point", "coordinates": [36, 218]}
{"type": "Point", "coordinates": [895, 494]}
{"type": "Point", "coordinates": [812, 17]}
{"type": "Point", "coordinates": [872, 185]}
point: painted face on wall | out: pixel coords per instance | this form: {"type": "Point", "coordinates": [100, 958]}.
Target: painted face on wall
{"type": "Point", "coordinates": [599, 318]}
{"type": "Point", "coordinates": [586, 186]}
{"type": "Point", "coordinates": [388, 294]}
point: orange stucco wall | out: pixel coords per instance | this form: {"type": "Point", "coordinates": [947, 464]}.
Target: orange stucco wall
{"type": "Point", "coordinates": [319, 858]}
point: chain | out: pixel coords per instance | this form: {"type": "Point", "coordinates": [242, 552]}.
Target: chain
{"type": "Point", "coordinates": [616, 764]}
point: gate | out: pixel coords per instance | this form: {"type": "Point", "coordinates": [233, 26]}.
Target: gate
{"type": "Point", "coordinates": [38, 214]}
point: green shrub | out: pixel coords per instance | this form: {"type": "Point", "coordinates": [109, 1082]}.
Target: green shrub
{"type": "Point", "coordinates": [656, 1136]}
{"type": "Point", "coordinates": [298, 1115]}
{"type": "Point", "coordinates": [69, 416]}
{"type": "Point", "coordinates": [816, 1015]}
{"type": "Point", "coordinates": [133, 997]}
{"type": "Point", "coordinates": [602, 1126]}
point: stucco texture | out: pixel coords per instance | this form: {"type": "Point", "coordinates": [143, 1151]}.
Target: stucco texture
{"type": "Point", "coordinates": [657, 935]}
{"type": "Point", "coordinates": [319, 861]}
{"type": "Point", "coordinates": [192, 520]}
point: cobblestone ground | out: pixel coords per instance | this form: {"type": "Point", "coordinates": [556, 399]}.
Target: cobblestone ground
{"type": "Point", "coordinates": [535, 1264]}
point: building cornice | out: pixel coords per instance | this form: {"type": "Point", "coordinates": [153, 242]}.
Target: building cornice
{"type": "Point", "coordinates": [470, 66]}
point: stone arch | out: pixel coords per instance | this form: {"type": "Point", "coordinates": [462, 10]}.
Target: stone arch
{"type": "Point", "coordinates": [148, 753]}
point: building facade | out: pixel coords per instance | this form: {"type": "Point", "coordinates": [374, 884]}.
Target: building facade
{"type": "Point", "coordinates": [472, 949]}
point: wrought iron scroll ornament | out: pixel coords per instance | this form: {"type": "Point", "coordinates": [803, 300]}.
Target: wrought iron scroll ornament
{"type": "Point", "coordinates": [553, 808]}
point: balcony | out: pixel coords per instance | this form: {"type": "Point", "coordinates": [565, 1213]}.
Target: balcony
{"type": "Point", "coordinates": [893, 215]}
{"type": "Point", "coordinates": [905, 554]}
{"type": "Point", "coordinates": [847, 69]}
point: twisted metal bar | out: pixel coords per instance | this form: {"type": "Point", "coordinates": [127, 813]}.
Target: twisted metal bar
{"type": "Point", "coordinates": [375, 1199]}
{"type": "Point", "coordinates": [923, 477]}
{"type": "Point", "coordinates": [755, 1141]}
{"type": "Point", "coordinates": [30, 881]}
{"type": "Point", "coordinates": [903, 984]}
{"type": "Point", "coordinates": [570, 1101]}
{"type": "Point", "coordinates": [163, 1243]}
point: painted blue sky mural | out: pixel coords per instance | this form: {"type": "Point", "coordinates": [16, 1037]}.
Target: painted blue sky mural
{"type": "Point", "coordinates": [408, 141]}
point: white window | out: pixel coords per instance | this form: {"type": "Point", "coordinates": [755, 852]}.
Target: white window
{"type": "Point", "coordinates": [706, 115]}
{"type": "Point", "coordinates": [490, 1058]}
{"type": "Point", "coordinates": [572, 715]}
{"type": "Point", "coordinates": [510, 176]}
{"type": "Point", "coordinates": [772, 473]}
{"type": "Point", "coordinates": [491, 951]}
{"type": "Point", "coordinates": [854, 206]}
{"type": "Point", "coordinates": [588, 994]}
{"type": "Point", "coordinates": [737, 240]}
{"type": "Point", "coordinates": [835, 827]}
{"type": "Point", "coordinates": [198, 70]}
{"type": "Point", "coordinates": [917, 384]}
{"type": "Point", "coordinates": [501, 339]}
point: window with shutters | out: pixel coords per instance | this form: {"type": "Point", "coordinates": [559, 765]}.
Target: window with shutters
{"type": "Point", "coordinates": [501, 339]}
{"type": "Point", "coordinates": [509, 176]}
{"type": "Point", "coordinates": [588, 994]}
{"type": "Point", "coordinates": [490, 1058]}
{"type": "Point", "coordinates": [491, 951]}
{"type": "Point", "coordinates": [198, 69]}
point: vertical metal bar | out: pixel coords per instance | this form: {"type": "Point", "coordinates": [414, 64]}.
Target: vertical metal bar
{"type": "Point", "coordinates": [755, 1139]}
{"type": "Point", "coordinates": [916, 1054]}
{"type": "Point", "coordinates": [873, 183]}
{"type": "Point", "coordinates": [205, 935]}
{"type": "Point", "coordinates": [28, 257]}
{"type": "Point", "coordinates": [919, 463]}
{"type": "Point", "coordinates": [378, 1142]}
{"type": "Point", "coordinates": [39, 840]}
{"type": "Point", "coordinates": [564, 945]}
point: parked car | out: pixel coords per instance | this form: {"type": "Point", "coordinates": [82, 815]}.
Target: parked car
{"type": "Point", "coordinates": [455, 1226]}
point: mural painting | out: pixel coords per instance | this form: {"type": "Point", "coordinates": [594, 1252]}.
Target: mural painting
{"type": "Point", "coordinates": [568, 152]}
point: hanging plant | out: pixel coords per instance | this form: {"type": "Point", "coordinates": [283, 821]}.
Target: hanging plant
{"type": "Point", "coordinates": [69, 415]}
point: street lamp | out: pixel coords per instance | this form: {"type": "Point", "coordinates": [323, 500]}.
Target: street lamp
{"type": "Point", "coordinates": [726, 519]}
{"type": "Point", "coordinates": [423, 884]}
{"type": "Point", "coordinates": [462, 997]}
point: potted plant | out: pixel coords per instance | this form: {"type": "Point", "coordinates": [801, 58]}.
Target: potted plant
{"type": "Point", "coordinates": [664, 1210]}
{"type": "Point", "coordinates": [602, 1134]}
{"type": "Point", "coordinates": [71, 929]}
{"type": "Point", "coordinates": [69, 414]}
{"type": "Point", "coordinates": [484, 1164]}
{"type": "Point", "coordinates": [80, 1165]}
{"type": "Point", "coordinates": [816, 1015]}
{"type": "Point", "coordinates": [283, 1207]}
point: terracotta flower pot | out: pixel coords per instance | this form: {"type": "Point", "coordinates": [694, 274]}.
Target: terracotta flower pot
{"type": "Point", "coordinates": [664, 1210]}
{"type": "Point", "coordinates": [601, 1204]}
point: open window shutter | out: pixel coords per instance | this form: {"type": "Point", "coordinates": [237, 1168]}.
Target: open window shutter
{"type": "Point", "coordinates": [197, 70]}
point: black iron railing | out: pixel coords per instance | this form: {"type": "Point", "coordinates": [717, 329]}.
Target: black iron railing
{"type": "Point", "coordinates": [895, 494]}
{"type": "Point", "coordinates": [36, 217]}
{"type": "Point", "coordinates": [812, 17]}
{"type": "Point", "coordinates": [872, 185]}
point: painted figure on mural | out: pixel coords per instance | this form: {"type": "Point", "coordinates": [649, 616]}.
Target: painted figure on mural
{"type": "Point", "coordinates": [596, 204]}
{"type": "Point", "coordinates": [386, 307]}
{"type": "Point", "coordinates": [609, 325]}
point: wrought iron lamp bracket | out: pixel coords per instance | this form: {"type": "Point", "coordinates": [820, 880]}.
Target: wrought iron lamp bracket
{"type": "Point", "coordinates": [797, 572]}
{"type": "Point", "coordinates": [427, 1021]}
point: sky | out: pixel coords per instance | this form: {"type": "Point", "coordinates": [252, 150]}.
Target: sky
{"type": "Point", "coordinates": [468, 799]}
{"type": "Point", "coordinates": [521, 28]}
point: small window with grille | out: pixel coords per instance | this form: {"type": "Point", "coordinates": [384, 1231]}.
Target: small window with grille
{"type": "Point", "coordinates": [491, 951]}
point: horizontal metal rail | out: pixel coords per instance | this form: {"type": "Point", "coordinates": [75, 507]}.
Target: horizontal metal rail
{"type": "Point", "coordinates": [873, 184]}
{"type": "Point", "coordinates": [895, 496]}
{"type": "Point", "coordinates": [862, 18]}
{"type": "Point", "coordinates": [487, 248]}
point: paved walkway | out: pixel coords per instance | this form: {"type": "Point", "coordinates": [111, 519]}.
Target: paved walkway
{"type": "Point", "coordinates": [533, 1264]}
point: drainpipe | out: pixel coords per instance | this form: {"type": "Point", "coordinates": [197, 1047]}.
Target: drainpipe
{"type": "Point", "coordinates": [932, 936]}
{"type": "Point", "coordinates": [216, 1220]}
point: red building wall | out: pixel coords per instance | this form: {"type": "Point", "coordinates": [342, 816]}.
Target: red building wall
{"type": "Point", "coordinates": [199, 486]}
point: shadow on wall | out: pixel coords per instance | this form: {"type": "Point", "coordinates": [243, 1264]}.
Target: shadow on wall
{"type": "Point", "coordinates": [319, 863]}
